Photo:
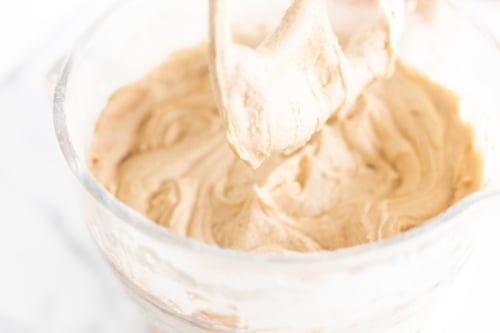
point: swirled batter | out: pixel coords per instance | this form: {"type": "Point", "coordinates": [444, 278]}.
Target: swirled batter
{"type": "Point", "coordinates": [400, 156]}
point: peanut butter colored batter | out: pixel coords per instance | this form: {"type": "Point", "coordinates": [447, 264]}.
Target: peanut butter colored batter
{"type": "Point", "coordinates": [400, 156]}
{"type": "Point", "coordinates": [273, 98]}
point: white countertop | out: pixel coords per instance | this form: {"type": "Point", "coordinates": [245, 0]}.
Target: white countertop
{"type": "Point", "coordinates": [52, 279]}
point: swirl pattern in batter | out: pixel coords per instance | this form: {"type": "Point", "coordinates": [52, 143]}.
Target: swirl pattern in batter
{"type": "Point", "coordinates": [401, 156]}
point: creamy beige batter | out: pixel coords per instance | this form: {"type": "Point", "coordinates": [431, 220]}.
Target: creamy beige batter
{"type": "Point", "coordinates": [273, 98]}
{"type": "Point", "coordinates": [401, 156]}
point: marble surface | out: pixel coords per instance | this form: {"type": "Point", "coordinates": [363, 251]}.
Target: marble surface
{"type": "Point", "coordinates": [52, 278]}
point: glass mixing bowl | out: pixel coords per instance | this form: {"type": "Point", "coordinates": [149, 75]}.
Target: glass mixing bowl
{"type": "Point", "coordinates": [187, 286]}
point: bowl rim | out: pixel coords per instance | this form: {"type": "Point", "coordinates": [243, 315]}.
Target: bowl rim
{"type": "Point", "coordinates": [339, 258]}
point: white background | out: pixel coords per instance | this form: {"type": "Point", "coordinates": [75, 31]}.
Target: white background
{"type": "Point", "coordinates": [52, 279]}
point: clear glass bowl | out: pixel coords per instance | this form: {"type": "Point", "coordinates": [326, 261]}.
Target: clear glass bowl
{"type": "Point", "coordinates": [187, 286]}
